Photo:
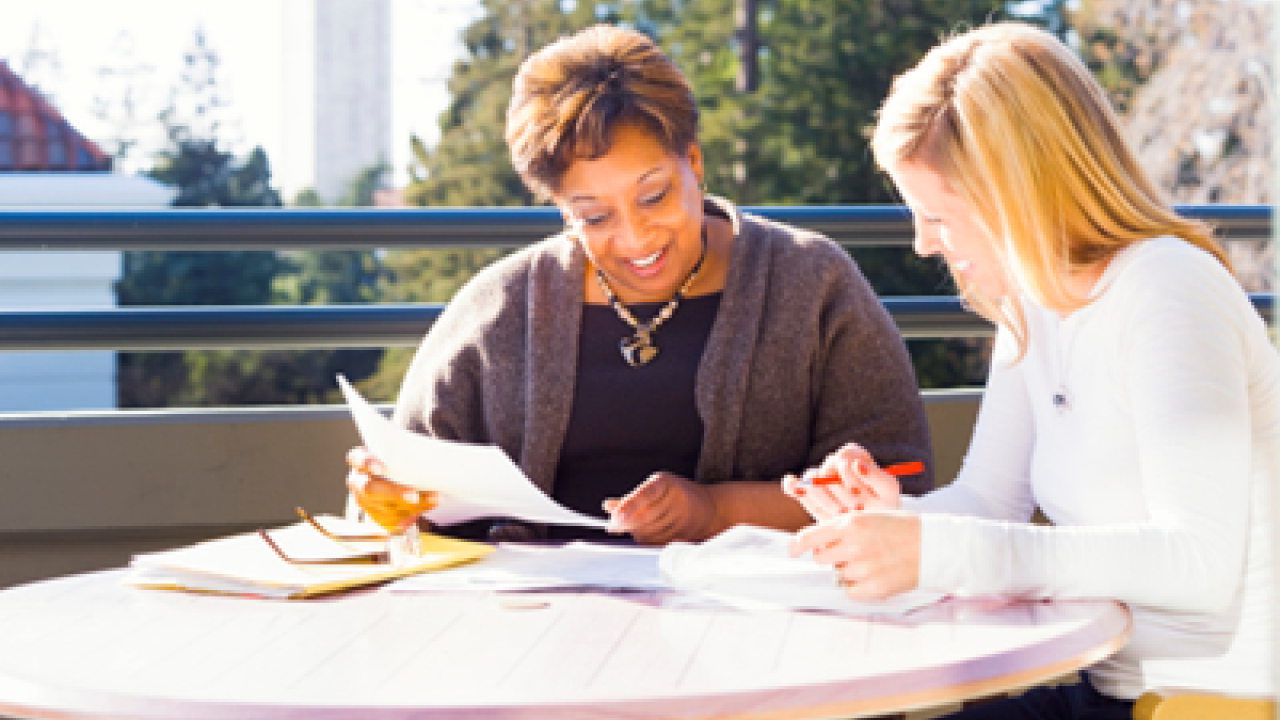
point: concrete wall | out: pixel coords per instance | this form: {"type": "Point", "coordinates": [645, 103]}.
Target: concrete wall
{"type": "Point", "coordinates": [85, 491]}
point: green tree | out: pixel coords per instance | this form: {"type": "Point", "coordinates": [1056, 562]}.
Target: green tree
{"type": "Point", "coordinates": [208, 176]}
{"type": "Point", "coordinates": [307, 197]}
{"type": "Point", "coordinates": [362, 186]}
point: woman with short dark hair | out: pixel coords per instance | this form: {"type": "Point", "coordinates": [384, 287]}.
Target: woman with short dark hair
{"type": "Point", "coordinates": [667, 359]}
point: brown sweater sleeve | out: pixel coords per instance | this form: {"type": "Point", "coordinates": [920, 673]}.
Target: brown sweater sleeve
{"type": "Point", "coordinates": [824, 364]}
{"type": "Point", "coordinates": [867, 391]}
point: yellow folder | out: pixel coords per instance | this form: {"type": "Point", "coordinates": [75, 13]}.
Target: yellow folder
{"type": "Point", "coordinates": [246, 565]}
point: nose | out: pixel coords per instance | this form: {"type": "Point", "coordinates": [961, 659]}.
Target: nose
{"type": "Point", "coordinates": [633, 233]}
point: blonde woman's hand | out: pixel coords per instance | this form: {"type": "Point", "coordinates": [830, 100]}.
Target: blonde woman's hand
{"type": "Point", "coordinates": [849, 480]}
{"type": "Point", "coordinates": [391, 505]}
{"type": "Point", "coordinates": [874, 555]}
{"type": "Point", "coordinates": [664, 508]}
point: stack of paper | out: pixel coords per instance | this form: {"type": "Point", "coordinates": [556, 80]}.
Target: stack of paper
{"type": "Point", "coordinates": [744, 567]}
{"type": "Point", "coordinates": [515, 567]}
{"type": "Point", "coordinates": [246, 565]}
{"type": "Point", "coordinates": [749, 567]}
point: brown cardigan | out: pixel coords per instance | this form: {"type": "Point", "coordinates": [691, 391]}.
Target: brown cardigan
{"type": "Point", "coordinates": [801, 359]}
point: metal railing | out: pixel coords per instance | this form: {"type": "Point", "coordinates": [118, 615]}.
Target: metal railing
{"type": "Point", "coordinates": [181, 328]}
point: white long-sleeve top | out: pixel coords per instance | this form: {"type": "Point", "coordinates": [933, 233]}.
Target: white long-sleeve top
{"type": "Point", "coordinates": [1157, 468]}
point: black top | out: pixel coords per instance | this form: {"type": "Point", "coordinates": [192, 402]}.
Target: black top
{"type": "Point", "coordinates": [630, 422]}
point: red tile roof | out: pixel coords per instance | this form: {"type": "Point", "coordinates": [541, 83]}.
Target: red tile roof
{"type": "Point", "coordinates": [35, 137]}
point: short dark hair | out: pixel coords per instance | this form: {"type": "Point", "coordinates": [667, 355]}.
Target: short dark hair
{"type": "Point", "coordinates": [569, 98]}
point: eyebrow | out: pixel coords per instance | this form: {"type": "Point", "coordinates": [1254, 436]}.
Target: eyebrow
{"type": "Point", "coordinates": [642, 178]}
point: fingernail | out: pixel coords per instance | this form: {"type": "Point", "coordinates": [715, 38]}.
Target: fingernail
{"type": "Point", "coordinates": [860, 467]}
{"type": "Point", "coordinates": [859, 507]}
{"type": "Point", "coordinates": [799, 491]}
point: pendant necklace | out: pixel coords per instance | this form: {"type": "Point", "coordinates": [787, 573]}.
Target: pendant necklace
{"type": "Point", "coordinates": [1061, 400]}
{"type": "Point", "coordinates": [639, 349]}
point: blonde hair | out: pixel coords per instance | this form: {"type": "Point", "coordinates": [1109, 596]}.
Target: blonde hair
{"type": "Point", "coordinates": [569, 97]}
{"type": "Point", "coordinates": [1017, 127]}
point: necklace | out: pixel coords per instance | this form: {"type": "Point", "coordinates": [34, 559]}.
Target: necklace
{"type": "Point", "coordinates": [1066, 339]}
{"type": "Point", "coordinates": [639, 349]}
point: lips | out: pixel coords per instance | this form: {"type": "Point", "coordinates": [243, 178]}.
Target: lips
{"type": "Point", "coordinates": [649, 265]}
{"type": "Point", "coordinates": [647, 261]}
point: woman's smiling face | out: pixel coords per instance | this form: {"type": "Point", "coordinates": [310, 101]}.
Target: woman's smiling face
{"type": "Point", "coordinates": [638, 214]}
{"type": "Point", "coordinates": [947, 225]}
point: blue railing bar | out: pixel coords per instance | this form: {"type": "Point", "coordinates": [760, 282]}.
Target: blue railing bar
{"type": "Point", "coordinates": [329, 326]}
{"type": "Point", "coordinates": [336, 229]}
{"type": "Point", "coordinates": [216, 327]}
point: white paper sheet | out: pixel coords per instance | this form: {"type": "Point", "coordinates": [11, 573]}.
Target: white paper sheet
{"type": "Point", "coordinates": [515, 567]}
{"type": "Point", "coordinates": [749, 567]}
{"type": "Point", "coordinates": [473, 480]}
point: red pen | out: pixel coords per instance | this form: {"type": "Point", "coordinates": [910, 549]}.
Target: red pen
{"type": "Point", "coordinates": [914, 467]}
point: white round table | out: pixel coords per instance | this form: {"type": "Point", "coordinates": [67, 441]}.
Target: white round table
{"type": "Point", "coordinates": [90, 647]}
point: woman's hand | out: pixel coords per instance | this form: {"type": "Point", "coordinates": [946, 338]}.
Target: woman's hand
{"type": "Point", "coordinates": [859, 485]}
{"type": "Point", "coordinates": [664, 508]}
{"type": "Point", "coordinates": [875, 555]}
{"type": "Point", "coordinates": [391, 505]}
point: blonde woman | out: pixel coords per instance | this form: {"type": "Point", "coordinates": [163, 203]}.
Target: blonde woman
{"type": "Point", "coordinates": [1132, 396]}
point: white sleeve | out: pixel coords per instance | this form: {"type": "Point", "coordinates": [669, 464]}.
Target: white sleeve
{"type": "Point", "coordinates": [1185, 353]}
{"type": "Point", "coordinates": [993, 482]}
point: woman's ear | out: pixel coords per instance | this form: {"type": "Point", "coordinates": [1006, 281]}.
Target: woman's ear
{"type": "Point", "coordinates": [694, 157]}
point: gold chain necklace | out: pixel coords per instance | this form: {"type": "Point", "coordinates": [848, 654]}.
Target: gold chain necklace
{"type": "Point", "coordinates": [639, 349]}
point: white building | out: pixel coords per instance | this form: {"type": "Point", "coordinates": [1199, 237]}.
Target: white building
{"type": "Point", "coordinates": [353, 90]}
{"type": "Point", "coordinates": [31, 280]}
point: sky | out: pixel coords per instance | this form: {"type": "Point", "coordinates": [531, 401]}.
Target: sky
{"type": "Point", "coordinates": [258, 45]}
